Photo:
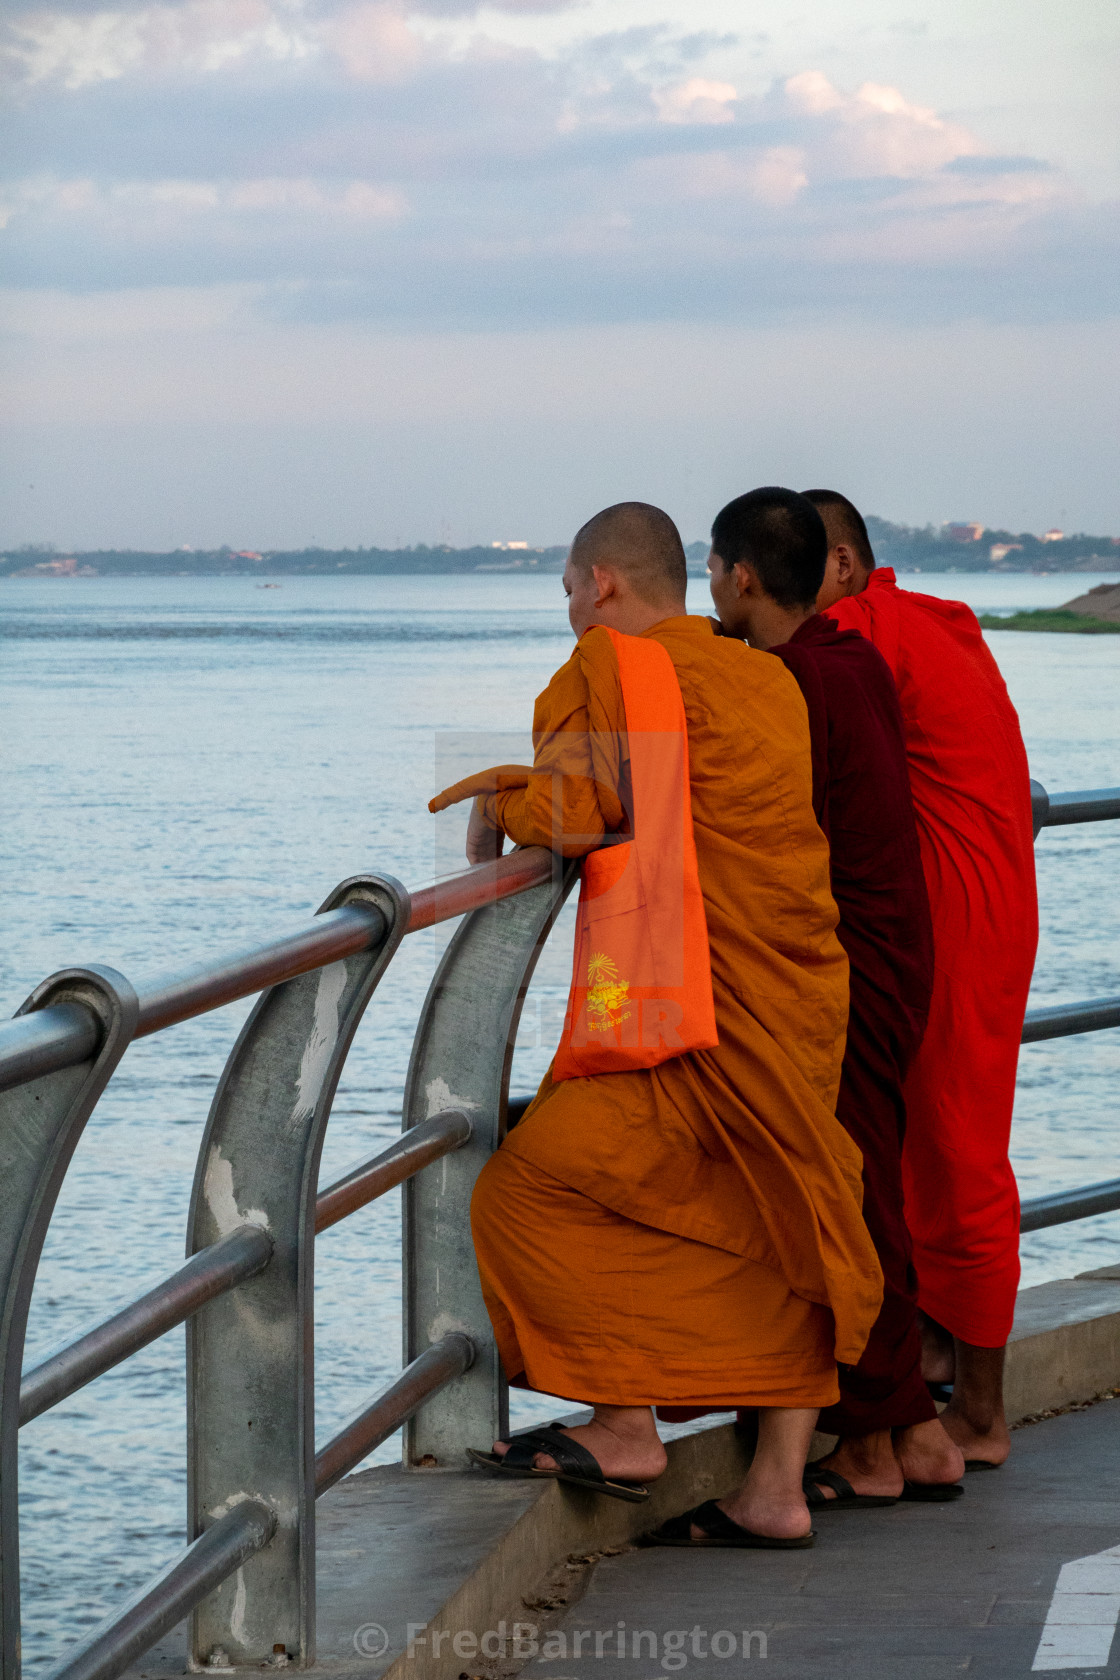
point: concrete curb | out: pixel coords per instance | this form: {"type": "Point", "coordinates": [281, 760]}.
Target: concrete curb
{"type": "Point", "coordinates": [1065, 1345]}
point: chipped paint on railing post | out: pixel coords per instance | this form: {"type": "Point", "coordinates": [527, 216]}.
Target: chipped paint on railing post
{"type": "Point", "coordinates": [250, 1378]}
{"type": "Point", "coordinates": [40, 1124]}
{"type": "Point", "coordinates": [461, 1059]}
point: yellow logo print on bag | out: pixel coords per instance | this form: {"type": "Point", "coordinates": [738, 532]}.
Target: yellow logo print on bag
{"type": "Point", "coordinates": [607, 995]}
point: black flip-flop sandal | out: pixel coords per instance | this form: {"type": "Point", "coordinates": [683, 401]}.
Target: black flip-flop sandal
{"type": "Point", "coordinates": [940, 1391]}
{"type": "Point", "coordinates": [577, 1466]}
{"type": "Point", "coordinates": [981, 1464]}
{"type": "Point", "coordinates": [930, 1493]}
{"type": "Point", "coordinates": [719, 1530]}
{"type": "Point", "coordinates": [817, 1477]}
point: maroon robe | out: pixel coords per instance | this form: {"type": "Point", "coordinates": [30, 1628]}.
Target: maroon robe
{"type": "Point", "coordinates": [861, 794]}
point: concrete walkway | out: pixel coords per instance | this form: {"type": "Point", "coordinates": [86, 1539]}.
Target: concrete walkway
{"type": "Point", "coordinates": [908, 1593]}
{"type": "Point", "coordinates": [900, 1594]}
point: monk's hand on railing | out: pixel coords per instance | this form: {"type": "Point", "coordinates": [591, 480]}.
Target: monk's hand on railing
{"type": "Point", "coordinates": [484, 841]}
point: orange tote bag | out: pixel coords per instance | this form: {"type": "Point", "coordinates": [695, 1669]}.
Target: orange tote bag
{"type": "Point", "coordinates": [642, 974]}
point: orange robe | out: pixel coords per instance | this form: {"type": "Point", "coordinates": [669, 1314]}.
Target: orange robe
{"type": "Point", "coordinates": [691, 1233]}
{"type": "Point", "coordinates": [972, 799]}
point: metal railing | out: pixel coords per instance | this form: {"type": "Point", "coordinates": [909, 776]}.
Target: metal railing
{"type": "Point", "coordinates": [245, 1291]}
{"type": "Point", "coordinates": [1055, 811]}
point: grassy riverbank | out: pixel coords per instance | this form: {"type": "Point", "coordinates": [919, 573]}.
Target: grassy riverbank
{"type": "Point", "coordinates": [1073, 623]}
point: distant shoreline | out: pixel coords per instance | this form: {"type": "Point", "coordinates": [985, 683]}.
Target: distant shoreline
{"type": "Point", "coordinates": [907, 548]}
{"type": "Point", "coordinates": [458, 563]}
{"type": "Point", "coordinates": [1052, 620]}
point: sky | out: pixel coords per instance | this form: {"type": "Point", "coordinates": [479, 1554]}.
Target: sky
{"type": "Point", "coordinates": [365, 272]}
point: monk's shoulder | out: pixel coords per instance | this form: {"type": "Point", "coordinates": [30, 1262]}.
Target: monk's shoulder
{"type": "Point", "coordinates": [765, 688]}
{"type": "Point", "coordinates": [946, 636]}
{"type": "Point", "coordinates": [855, 668]}
{"type": "Point", "coordinates": [567, 692]}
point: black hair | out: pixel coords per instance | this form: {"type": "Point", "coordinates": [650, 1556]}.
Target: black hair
{"type": "Point", "coordinates": [844, 519]}
{"type": "Point", "coordinates": [782, 536]}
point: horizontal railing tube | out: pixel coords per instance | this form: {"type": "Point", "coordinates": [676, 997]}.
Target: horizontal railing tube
{"type": "Point", "coordinates": [46, 1041]}
{"type": "Point", "coordinates": [1064, 1019]}
{"type": "Point", "coordinates": [226, 1263]}
{"type": "Point", "coordinates": [67, 1034]}
{"type": "Point", "coordinates": [1065, 1205]}
{"type": "Point", "coordinates": [434, 1368]}
{"type": "Point", "coordinates": [1092, 805]}
{"type": "Point", "coordinates": [242, 1254]}
{"type": "Point", "coordinates": [193, 991]}
{"type": "Point", "coordinates": [156, 1608]}
{"type": "Point", "coordinates": [415, 1149]}
{"type": "Point", "coordinates": [486, 883]}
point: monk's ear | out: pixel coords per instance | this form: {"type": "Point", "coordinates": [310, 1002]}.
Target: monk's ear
{"type": "Point", "coordinates": [846, 568]}
{"type": "Point", "coordinates": [606, 585]}
{"type": "Point", "coordinates": [745, 581]}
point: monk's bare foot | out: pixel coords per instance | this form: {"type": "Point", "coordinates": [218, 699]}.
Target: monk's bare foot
{"type": "Point", "coordinates": [868, 1462]}
{"type": "Point", "coordinates": [626, 1446]}
{"type": "Point", "coordinates": [939, 1364]}
{"type": "Point", "coordinates": [771, 1511]}
{"type": "Point", "coordinates": [771, 1500]}
{"type": "Point", "coordinates": [979, 1441]}
{"type": "Point", "coordinates": [975, 1416]}
{"type": "Point", "coordinates": [926, 1452]}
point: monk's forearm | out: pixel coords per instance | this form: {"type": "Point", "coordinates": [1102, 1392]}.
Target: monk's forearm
{"type": "Point", "coordinates": [560, 812]}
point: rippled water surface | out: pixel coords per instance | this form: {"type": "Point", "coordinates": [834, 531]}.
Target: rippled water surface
{"type": "Point", "coordinates": [190, 764]}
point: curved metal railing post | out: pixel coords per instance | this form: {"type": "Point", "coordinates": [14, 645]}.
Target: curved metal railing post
{"type": "Point", "coordinates": [40, 1124]}
{"type": "Point", "coordinates": [461, 1059]}
{"type": "Point", "coordinates": [250, 1382]}
{"type": "Point", "coordinates": [1040, 807]}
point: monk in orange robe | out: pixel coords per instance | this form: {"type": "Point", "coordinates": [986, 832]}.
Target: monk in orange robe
{"type": "Point", "coordinates": [687, 1233]}
{"type": "Point", "coordinates": [971, 788]}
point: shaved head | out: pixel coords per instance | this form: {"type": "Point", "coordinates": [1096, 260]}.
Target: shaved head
{"type": "Point", "coordinates": [844, 523]}
{"type": "Point", "coordinates": [641, 543]}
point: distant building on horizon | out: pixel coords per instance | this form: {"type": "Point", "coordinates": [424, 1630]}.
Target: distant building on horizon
{"type": "Point", "coordinates": [61, 565]}
{"type": "Point", "coordinates": [1053, 535]}
{"type": "Point", "coordinates": [964, 533]}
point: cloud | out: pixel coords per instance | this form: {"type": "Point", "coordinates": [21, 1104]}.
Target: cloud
{"type": "Point", "coordinates": [875, 131]}
{"type": "Point", "coordinates": [372, 42]}
{"type": "Point", "coordinates": [351, 159]}
{"type": "Point", "coordinates": [471, 8]}
{"type": "Point", "coordinates": [203, 36]}
{"type": "Point", "coordinates": [163, 206]}
{"type": "Point", "coordinates": [696, 101]}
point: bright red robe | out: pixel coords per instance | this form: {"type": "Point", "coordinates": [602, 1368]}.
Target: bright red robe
{"type": "Point", "coordinates": [971, 787]}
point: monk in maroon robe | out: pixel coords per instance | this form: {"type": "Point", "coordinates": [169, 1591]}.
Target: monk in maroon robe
{"type": "Point", "coordinates": [768, 558]}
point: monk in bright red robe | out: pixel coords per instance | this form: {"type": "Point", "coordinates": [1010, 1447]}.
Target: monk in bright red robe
{"type": "Point", "coordinates": [769, 551]}
{"type": "Point", "coordinates": [971, 787]}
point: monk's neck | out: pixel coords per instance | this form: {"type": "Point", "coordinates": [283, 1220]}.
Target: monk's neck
{"type": "Point", "coordinates": [635, 618]}
{"type": "Point", "coordinates": [772, 625]}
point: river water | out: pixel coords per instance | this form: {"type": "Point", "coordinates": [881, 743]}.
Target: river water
{"type": "Point", "coordinates": [190, 764]}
